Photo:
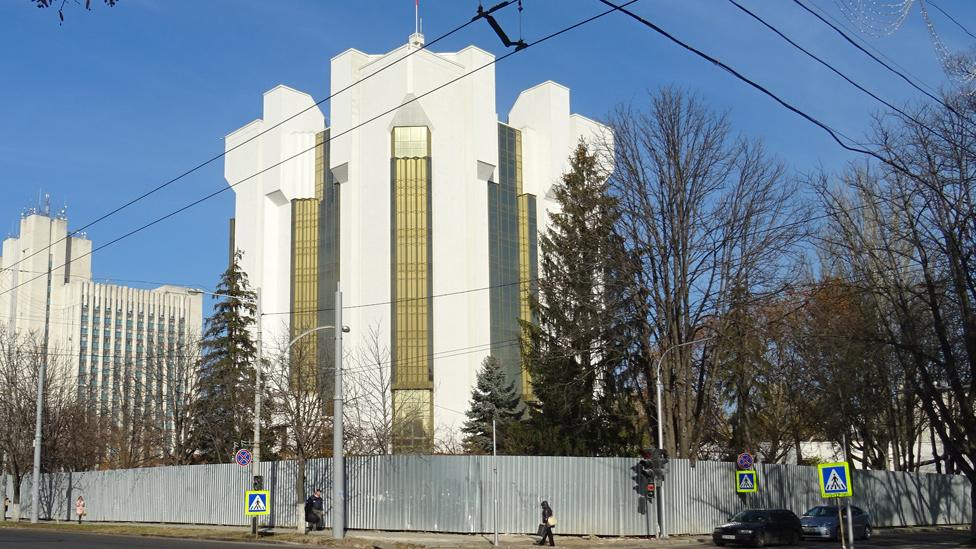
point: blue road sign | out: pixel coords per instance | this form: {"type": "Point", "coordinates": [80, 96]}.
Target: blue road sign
{"type": "Point", "coordinates": [256, 502]}
{"type": "Point", "coordinates": [243, 457]}
{"type": "Point", "coordinates": [745, 482]}
{"type": "Point", "coordinates": [835, 480]}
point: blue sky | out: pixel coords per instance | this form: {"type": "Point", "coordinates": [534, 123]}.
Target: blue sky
{"type": "Point", "coordinates": [117, 100]}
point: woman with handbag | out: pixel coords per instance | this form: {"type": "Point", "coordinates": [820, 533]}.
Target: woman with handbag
{"type": "Point", "coordinates": [80, 508]}
{"type": "Point", "coordinates": [548, 522]}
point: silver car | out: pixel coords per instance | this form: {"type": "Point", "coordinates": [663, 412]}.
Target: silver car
{"type": "Point", "coordinates": [822, 522]}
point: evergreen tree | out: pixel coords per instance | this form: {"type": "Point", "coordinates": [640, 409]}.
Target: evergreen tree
{"type": "Point", "coordinates": [491, 398]}
{"type": "Point", "coordinates": [226, 380]}
{"type": "Point", "coordinates": [576, 349]}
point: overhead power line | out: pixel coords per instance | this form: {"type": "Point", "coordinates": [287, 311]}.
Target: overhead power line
{"type": "Point", "coordinates": [832, 132]}
{"type": "Point", "coordinates": [841, 23]}
{"type": "Point", "coordinates": [829, 66]}
{"type": "Point", "coordinates": [951, 18]}
{"type": "Point", "coordinates": [876, 59]}
{"type": "Point", "coordinates": [214, 158]}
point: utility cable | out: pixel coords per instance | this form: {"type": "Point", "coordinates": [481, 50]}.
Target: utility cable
{"type": "Point", "coordinates": [252, 138]}
{"type": "Point", "coordinates": [331, 138]}
{"type": "Point", "coordinates": [841, 23]}
{"type": "Point", "coordinates": [951, 18]}
{"type": "Point", "coordinates": [877, 60]}
{"type": "Point", "coordinates": [832, 132]}
{"type": "Point", "coordinates": [831, 67]}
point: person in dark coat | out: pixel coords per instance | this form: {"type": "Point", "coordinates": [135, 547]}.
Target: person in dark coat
{"type": "Point", "coordinates": [546, 527]}
{"type": "Point", "coordinates": [315, 510]}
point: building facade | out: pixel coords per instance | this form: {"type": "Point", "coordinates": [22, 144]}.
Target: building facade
{"type": "Point", "coordinates": [121, 347]}
{"type": "Point", "coordinates": [425, 206]}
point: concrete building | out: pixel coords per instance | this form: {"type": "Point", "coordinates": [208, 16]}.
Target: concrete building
{"type": "Point", "coordinates": [428, 215]}
{"type": "Point", "coordinates": [121, 346]}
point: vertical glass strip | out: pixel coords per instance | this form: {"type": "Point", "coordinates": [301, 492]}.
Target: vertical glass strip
{"type": "Point", "coordinates": [411, 285]}
{"type": "Point", "coordinates": [304, 285]}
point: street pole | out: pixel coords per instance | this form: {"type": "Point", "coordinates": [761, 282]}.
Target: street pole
{"type": "Point", "coordinates": [850, 521]}
{"type": "Point", "coordinates": [659, 492]}
{"type": "Point", "coordinates": [36, 477]}
{"type": "Point", "coordinates": [338, 467]}
{"type": "Point", "coordinates": [662, 529]}
{"type": "Point", "coordinates": [256, 448]}
{"type": "Point", "coordinates": [494, 463]}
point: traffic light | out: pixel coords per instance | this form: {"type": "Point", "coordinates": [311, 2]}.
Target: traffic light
{"type": "Point", "coordinates": [258, 482]}
{"type": "Point", "coordinates": [647, 463]}
{"type": "Point", "coordinates": [650, 490]}
{"type": "Point", "coordinates": [653, 461]}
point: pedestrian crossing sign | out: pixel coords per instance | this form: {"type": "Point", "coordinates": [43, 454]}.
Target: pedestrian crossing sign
{"type": "Point", "coordinates": [256, 503]}
{"type": "Point", "coordinates": [745, 482]}
{"type": "Point", "coordinates": [835, 480]}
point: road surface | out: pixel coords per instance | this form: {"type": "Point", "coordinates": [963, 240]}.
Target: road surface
{"type": "Point", "coordinates": [892, 539]}
{"type": "Point", "coordinates": [26, 538]}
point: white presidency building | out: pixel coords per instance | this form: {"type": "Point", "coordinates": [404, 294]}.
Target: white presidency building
{"type": "Point", "coordinates": [428, 215]}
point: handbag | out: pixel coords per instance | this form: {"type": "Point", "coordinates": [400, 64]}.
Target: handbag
{"type": "Point", "coordinates": [541, 530]}
{"type": "Point", "coordinates": [551, 521]}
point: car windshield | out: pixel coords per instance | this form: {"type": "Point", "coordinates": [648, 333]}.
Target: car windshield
{"type": "Point", "coordinates": [750, 516]}
{"type": "Point", "coordinates": [821, 511]}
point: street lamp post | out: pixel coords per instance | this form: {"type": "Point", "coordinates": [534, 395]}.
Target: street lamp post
{"type": "Point", "coordinates": [660, 426]}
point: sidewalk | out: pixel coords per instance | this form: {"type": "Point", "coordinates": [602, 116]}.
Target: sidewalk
{"type": "Point", "coordinates": [417, 540]}
{"type": "Point", "coordinates": [354, 538]}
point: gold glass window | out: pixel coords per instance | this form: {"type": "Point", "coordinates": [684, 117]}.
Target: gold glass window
{"type": "Point", "coordinates": [411, 281]}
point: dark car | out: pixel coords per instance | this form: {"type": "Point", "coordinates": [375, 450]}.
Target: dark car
{"type": "Point", "coordinates": [759, 527]}
{"type": "Point", "coordinates": [822, 522]}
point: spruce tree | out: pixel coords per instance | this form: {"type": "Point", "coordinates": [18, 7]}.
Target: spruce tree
{"type": "Point", "coordinates": [226, 379]}
{"type": "Point", "coordinates": [576, 348]}
{"type": "Point", "coordinates": [491, 398]}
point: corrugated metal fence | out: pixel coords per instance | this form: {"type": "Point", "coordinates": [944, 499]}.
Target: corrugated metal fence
{"type": "Point", "coordinates": [455, 494]}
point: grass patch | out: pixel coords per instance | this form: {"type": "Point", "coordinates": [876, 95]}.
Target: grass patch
{"type": "Point", "coordinates": [165, 531]}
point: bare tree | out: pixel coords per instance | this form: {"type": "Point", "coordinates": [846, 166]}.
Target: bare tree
{"type": "Point", "coordinates": [67, 442]}
{"type": "Point", "coordinates": [369, 397]}
{"type": "Point", "coordinates": [374, 418]}
{"type": "Point", "coordinates": [907, 231]}
{"type": "Point", "coordinates": [299, 399]}
{"type": "Point", "coordinates": [709, 218]}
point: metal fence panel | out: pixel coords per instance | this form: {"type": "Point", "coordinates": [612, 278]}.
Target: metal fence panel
{"type": "Point", "coordinates": [456, 493]}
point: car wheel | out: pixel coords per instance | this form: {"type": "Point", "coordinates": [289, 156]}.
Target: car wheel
{"type": "Point", "coordinates": [761, 539]}
{"type": "Point", "coordinates": [867, 531]}
{"type": "Point", "coordinates": [795, 538]}
{"type": "Point", "coordinates": [720, 543]}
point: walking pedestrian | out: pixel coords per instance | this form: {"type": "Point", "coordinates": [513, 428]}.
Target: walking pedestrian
{"type": "Point", "coordinates": [6, 505]}
{"type": "Point", "coordinates": [315, 510]}
{"type": "Point", "coordinates": [548, 523]}
{"type": "Point", "coordinates": [80, 508]}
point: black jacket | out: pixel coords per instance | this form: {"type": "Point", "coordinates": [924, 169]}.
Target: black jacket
{"type": "Point", "coordinates": [314, 503]}
{"type": "Point", "coordinates": [546, 513]}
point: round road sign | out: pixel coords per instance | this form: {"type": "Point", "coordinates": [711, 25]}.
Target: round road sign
{"type": "Point", "coordinates": [745, 460]}
{"type": "Point", "coordinates": [243, 457]}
